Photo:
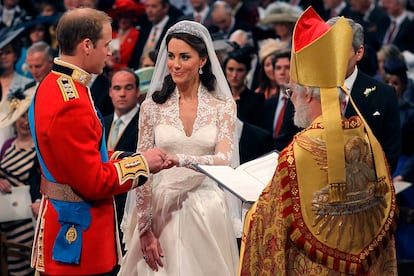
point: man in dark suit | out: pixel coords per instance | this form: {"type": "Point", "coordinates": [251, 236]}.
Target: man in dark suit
{"type": "Point", "coordinates": [224, 21]}
{"type": "Point", "coordinates": [152, 29]}
{"type": "Point", "coordinates": [373, 19]}
{"type": "Point", "coordinates": [278, 111]}
{"type": "Point", "coordinates": [121, 127]}
{"type": "Point", "coordinates": [201, 13]}
{"type": "Point", "coordinates": [400, 31]}
{"type": "Point", "coordinates": [376, 101]}
{"type": "Point", "coordinates": [334, 8]}
{"type": "Point", "coordinates": [99, 86]}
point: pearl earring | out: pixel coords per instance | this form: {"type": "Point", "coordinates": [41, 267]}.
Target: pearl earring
{"type": "Point", "coordinates": [200, 71]}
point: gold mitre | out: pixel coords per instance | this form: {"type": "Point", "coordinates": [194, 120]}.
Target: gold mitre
{"type": "Point", "coordinates": [319, 58]}
{"type": "Point", "coordinates": [320, 52]}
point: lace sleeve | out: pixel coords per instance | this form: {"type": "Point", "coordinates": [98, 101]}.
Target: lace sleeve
{"type": "Point", "coordinates": [143, 193]}
{"type": "Point", "coordinates": [226, 112]}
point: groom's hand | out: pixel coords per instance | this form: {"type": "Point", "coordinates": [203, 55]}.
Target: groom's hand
{"type": "Point", "coordinates": [155, 159]}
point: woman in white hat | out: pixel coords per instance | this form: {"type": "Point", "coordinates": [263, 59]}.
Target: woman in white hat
{"type": "Point", "coordinates": [10, 49]}
{"type": "Point", "coordinates": [17, 158]}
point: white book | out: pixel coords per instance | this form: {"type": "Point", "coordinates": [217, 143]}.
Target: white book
{"type": "Point", "coordinates": [248, 180]}
{"type": "Point", "coordinates": [15, 205]}
{"type": "Point", "coordinates": [401, 186]}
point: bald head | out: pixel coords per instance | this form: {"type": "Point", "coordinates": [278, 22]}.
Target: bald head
{"type": "Point", "coordinates": [221, 15]}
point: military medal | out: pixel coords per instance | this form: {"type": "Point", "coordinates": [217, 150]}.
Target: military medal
{"type": "Point", "coordinates": [71, 234]}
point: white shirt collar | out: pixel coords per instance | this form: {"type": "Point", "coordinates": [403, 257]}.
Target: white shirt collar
{"type": "Point", "coordinates": [160, 25]}
{"type": "Point", "coordinates": [349, 81]}
{"type": "Point", "coordinates": [127, 117]}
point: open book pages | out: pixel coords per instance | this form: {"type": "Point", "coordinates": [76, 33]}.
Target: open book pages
{"type": "Point", "coordinates": [246, 181]}
{"type": "Point", "coordinates": [249, 179]}
{"type": "Point", "coordinates": [401, 186]}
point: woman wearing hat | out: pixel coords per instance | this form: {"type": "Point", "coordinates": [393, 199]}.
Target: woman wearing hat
{"type": "Point", "coordinates": [16, 160]}
{"type": "Point", "coordinates": [125, 36]}
{"type": "Point", "coordinates": [10, 80]}
{"type": "Point", "coordinates": [267, 83]}
{"type": "Point", "coordinates": [282, 17]}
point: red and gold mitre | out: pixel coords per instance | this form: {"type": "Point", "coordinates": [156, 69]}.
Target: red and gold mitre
{"type": "Point", "coordinates": [319, 58]}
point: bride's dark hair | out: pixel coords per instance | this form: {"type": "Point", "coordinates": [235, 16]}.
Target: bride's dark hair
{"type": "Point", "coordinates": [207, 78]}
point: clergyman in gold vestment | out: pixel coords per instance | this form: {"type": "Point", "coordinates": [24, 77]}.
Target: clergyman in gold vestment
{"type": "Point", "coordinates": [330, 207]}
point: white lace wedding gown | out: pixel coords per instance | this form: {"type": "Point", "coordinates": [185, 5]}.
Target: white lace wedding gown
{"type": "Point", "coordinates": [189, 212]}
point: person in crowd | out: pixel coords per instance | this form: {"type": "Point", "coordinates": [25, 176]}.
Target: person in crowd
{"type": "Point", "coordinates": [10, 80]}
{"type": "Point", "coordinates": [267, 82]}
{"type": "Point", "coordinates": [376, 101]}
{"type": "Point", "coordinates": [384, 54]}
{"type": "Point", "coordinates": [244, 12]}
{"type": "Point", "coordinates": [201, 13]}
{"type": "Point", "coordinates": [39, 60]}
{"type": "Point", "coordinates": [121, 127]}
{"type": "Point", "coordinates": [224, 21]}
{"type": "Point", "coordinates": [36, 31]}
{"type": "Point", "coordinates": [16, 160]}
{"type": "Point", "coordinates": [12, 13]}
{"type": "Point", "coordinates": [401, 26]}
{"type": "Point", "coordinates": [334, 8]}
{"type": "Point", "coordinates": [374, 21]}
{"type": "Point", "coordinates": [249, 104]}
{"type": "Point", "coordinates": [183, 226]}
{"type": "Point", "coordinates": [125, 36]}
{"type": "Point", "coordinates": [149, 59]}
{"type": "Point", "coordinates": [152, 32]}
{"type": "Point", "coordinates": [281, 17]}
{"type": "Point", "coordinates": [76, 231]}
{"type": "Point", "coordinates": [278, 111]}
{"type": "Point", "coordinates": [396, 76]}
{"type": "Point", "coordinates": [305, 227]}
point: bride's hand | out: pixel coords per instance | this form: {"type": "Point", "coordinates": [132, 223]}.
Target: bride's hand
{"type": "Point", "coordinates": [151, 250]}
{"type": "Point", "coordinates": [173, 160]}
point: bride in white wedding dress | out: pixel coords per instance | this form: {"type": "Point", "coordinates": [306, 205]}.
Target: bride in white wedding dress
{"type": "Point", "coordinates": [181, 224]}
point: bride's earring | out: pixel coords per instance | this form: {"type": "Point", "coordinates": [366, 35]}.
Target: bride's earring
{"type": "Point", "coordinates": [200, 71]}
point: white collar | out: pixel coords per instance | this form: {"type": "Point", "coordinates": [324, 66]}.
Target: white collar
{"type": "Point", "coordinates": [349, 81]}
{"type": "Point", "coordinates": [127, 117]}
{"type": "Point", "coordinates": [160, 25]}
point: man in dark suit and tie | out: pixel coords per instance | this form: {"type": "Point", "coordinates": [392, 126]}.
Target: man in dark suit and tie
{"type": "Point", "coordinates": [374, 20]}
{"type": "Point", "coordinates": [152, 29]}
{"type": "Point", "coordinates": [121, 127]}
{"type": "Point", "coordinates": [334, 8]}
{"type": "Point", "coordinates": [224, 21]}
{"type": "Point", "coordinates": [278, 111]}
{"type": "Point", "coordinates": [201, 13]}
{"type": "Point", "coordinates": [400, 31]}
{"type": "Point", "coordinates": [376, 101]}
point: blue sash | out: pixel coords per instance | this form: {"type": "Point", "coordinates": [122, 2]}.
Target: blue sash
{"type": "Point", "coordinates": [73, 217]}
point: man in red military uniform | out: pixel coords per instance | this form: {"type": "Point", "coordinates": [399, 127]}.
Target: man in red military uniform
{"type": "Point", "coordinates": [76, 232]}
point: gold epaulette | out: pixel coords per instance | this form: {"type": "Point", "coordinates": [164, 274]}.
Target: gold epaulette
{"type": "Point", "coordinates": [67, 88]}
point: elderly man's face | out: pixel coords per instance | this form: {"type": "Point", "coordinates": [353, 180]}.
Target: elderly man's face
{"type": "Point", "coordinates": [301, 117]}
{"type": "Point", "coordinates": [221, 20]}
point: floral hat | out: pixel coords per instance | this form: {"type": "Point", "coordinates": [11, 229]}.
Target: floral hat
{"type": "Point", "coordinates": [16, 103]}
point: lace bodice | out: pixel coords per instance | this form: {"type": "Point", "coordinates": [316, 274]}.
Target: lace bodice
{"type": "Point", "coordinates": [211, 142]}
